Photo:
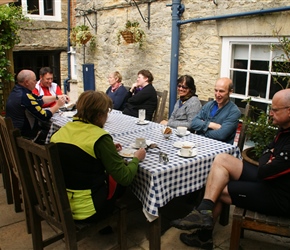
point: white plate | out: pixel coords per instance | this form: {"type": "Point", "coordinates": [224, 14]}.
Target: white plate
{"type": "Point", "coordinates": [186, 156]}
{"type": "Point", "coordinates": [187, 133]}
{"type": "Point", "coordinates": [179, 144]}
{"type": "Point", "coordinates": [68, 114]}
{"type": "Point", "coordinates": [127, 152]}
{"type": "Point", "coordinates": [142, 123]}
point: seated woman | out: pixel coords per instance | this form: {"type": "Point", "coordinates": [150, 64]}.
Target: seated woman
{"type": "Point", "coordinates": [187, 106]}
{"type": "Point", "coordinates": [117, 92]}
{"type": "Point", "coordinates": [93, 169]}
{"type": "Point", "coordinates": [142, 95]}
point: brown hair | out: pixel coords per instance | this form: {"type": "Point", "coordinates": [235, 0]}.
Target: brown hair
{"type": "Point", "coordinates": [92, 105]}
{"type": "Point", "coordinates": [147, 74]}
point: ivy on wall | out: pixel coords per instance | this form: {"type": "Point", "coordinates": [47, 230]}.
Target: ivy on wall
{"type": "Point", "coordinates": [11, 18]}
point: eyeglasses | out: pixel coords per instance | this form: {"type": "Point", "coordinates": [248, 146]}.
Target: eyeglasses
{"type": "Point", "coordinates": [182, 86]}
{"type": "Point", "coordinates": [277, 109]}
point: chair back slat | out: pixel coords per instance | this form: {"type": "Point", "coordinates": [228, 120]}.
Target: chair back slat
{"type": "Point", "coordinates": [161, 102]}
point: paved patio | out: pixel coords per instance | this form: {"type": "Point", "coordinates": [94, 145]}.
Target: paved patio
{"type": "Point", "coordinates": [13, 234]}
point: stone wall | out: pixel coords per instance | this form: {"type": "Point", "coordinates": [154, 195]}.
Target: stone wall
{"type": "Point", "coordinates": [200, 43]}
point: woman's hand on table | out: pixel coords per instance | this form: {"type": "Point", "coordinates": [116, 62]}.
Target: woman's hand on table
{"type": "Point", "coordinates": [140, 154]}
{"type": "Point", "coordinates": [118, 146]}
{"type": "Point", "coordinates": [164, 122]}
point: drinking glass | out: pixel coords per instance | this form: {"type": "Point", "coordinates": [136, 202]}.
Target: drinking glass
{"type": "Point", "coordinates": [141, 115]}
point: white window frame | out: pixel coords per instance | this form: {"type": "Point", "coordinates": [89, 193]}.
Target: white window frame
{"type": "Point", "coordinates": [41, 16]}
{"type": "Point", "coordinates": [226, 59]}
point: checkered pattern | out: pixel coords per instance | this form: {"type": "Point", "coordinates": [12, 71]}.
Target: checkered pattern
{"type": "Point", "coordinates": [157, 183]}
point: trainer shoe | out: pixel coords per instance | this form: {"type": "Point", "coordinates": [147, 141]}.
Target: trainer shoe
{"type": "Point", "coordinates": [196, 219]}
{"type": "Point", "coordinates": [193, 240]}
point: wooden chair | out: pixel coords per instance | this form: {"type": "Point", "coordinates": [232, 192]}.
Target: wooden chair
{"type": "Point", "coordinates": [224, 216]}
{"type": "Point", "coordinates": [203, 102]}
{"type": "Point", "coordinates": [247, 219]}
{"type": "Point", "coordinates": [43, 183]}
{"type": "Point", "coordinates": [161, 102]}
{"type": "Point", "coordinates": [10, 173]}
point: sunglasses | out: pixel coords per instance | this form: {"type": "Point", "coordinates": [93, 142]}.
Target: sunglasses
{"type": "Point", "coordinates": [182, 86]}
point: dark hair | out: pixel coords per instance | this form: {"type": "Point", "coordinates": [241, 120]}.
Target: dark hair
{"type": "Point", "coordinates": [45, 70]}
{"type": "Point", "coordinates": [189, 82]}
{"type": "Point", "coordinates": [147, 74]}
{"type": "Point", "coordinates": [93, 104]}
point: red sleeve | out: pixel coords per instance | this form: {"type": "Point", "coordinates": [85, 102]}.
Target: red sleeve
{"type": "Point", "coordinates": [35, 91]}
{"type": "Point", "coordinates": [58, 90]}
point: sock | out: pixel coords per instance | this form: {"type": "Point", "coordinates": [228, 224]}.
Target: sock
{"type": "Point", "coordinates": [205, 204]}
{"type": "Point", "coordinates": [204, 234]}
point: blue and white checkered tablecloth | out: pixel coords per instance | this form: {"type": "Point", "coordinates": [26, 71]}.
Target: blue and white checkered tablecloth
{"type": "Point", "coordinates": [157, 183]}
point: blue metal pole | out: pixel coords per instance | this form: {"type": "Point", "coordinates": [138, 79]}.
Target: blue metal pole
{"type": "Point", "coordinates": [241, 14]}
{"type": "Point", "coordinates": [177, 10]}
{"type": "Point", "coordinates": [66, 83]}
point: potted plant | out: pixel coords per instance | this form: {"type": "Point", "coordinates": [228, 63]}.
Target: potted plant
{"type": "Point", "coordinates": [261, 131]}
{"type": "Point", "coordinates": [80, 35]}
{"type": "Point", "coordinates": [132, 33]}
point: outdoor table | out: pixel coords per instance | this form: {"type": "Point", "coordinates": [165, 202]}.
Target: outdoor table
{"type": "Point", "coordinates": [157, 183]}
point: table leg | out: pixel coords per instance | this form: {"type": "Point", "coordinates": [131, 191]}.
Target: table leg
{"type": "Point", "coordinates": [155, 234]}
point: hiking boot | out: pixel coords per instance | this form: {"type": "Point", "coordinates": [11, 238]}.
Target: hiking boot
{"type": "Point", "coordinates": [193, 240]}
{"type": "Point", "coordinates": [196, 219]}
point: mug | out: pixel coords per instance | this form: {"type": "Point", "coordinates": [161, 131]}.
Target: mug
{"type": "Point", "coordinates": [141, 115]}
{"type": "Point", "coordinates": [140, 142]}
{"type": "Point", "coordinates": [181, 130]}
{"type": "Point", "coordinates": [186, 151]}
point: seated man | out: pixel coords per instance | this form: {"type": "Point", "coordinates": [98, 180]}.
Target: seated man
{"type": "Point", "coordinates": [45, 86]}
{"type": "Point", "coordinates": [24, 107]}
{"type": "Point", "coordinates": [218, 119]}
{"type": "Point", "coordinates": [264, 189]}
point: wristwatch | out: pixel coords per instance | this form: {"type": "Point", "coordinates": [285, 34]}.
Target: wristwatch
{"type": "Point", "coordinates": [56, 97]}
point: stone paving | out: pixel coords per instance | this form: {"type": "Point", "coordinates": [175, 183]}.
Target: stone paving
{"type": "Point", "coordinates": [13, 234]}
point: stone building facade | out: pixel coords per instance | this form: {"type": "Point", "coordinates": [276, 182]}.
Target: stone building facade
{"type": "Point", "coordinates": [202, 44]}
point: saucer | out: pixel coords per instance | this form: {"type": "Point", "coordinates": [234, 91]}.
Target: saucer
{"type": "Point", "coordinates": [179, 144]}
{"type": "Point", "coordinates": [127, 152]}
{"type": "Point", "coordinates": [142, 123]}
{"type": "Point", "coordinates": [186, 156]}
{"type": "Point", "coordinates": [187, 133]}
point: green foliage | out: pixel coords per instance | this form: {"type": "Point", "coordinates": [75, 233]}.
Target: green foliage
{"type": "Point", "coordinates": [281, 63]}
{"type": "Point", "coordinates": [137, 33]}
{"type": "Point", "coordinates": [80, 35]}
{"type": "Point", "coordinates": [10, 23]}
{"type": "Point", "coordinates": [260, 130]}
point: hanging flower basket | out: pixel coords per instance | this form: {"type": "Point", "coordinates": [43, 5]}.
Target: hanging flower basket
{"type": "Point", "coordinates": [80, 35]}
{"type": "Point", "coordinates": [128, 36]}
{"type": "Point", "coordinates": [132, 33]}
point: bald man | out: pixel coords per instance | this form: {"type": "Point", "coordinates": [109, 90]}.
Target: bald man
{"type": "Point", "coordinates": [25, 108]}
{"type": "Point", "coordinates": [218, 119]}
{"type": "Point", "coordinates": [264, 189]}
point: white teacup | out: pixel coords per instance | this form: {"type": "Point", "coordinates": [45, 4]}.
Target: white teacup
{"type": "Point", "coordinates": [140, 142]}
{"type": "Point", "coordinates": [186, 151]}
{"type": "Point", "coordinates": [181, 130]}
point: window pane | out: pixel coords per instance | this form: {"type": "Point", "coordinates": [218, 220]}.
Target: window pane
{"type": "Point", "coordinates": [240, 64]}
{"type": "Point", "coordinates": [239, 81]}
{"type": "Point", "coordinates": [257, 85]}
{"type": "Point", "coordinates": [48, 7]}
{"type": "Point", "coordinates": [260, 65]}
{"type": "Point", "coordinates": [278, 83]}
{"type": "Point", "coordinates": [33, 7]}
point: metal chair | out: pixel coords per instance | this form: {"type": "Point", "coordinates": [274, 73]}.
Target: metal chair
{"type": "Point", "coordinates": [43, 184]}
